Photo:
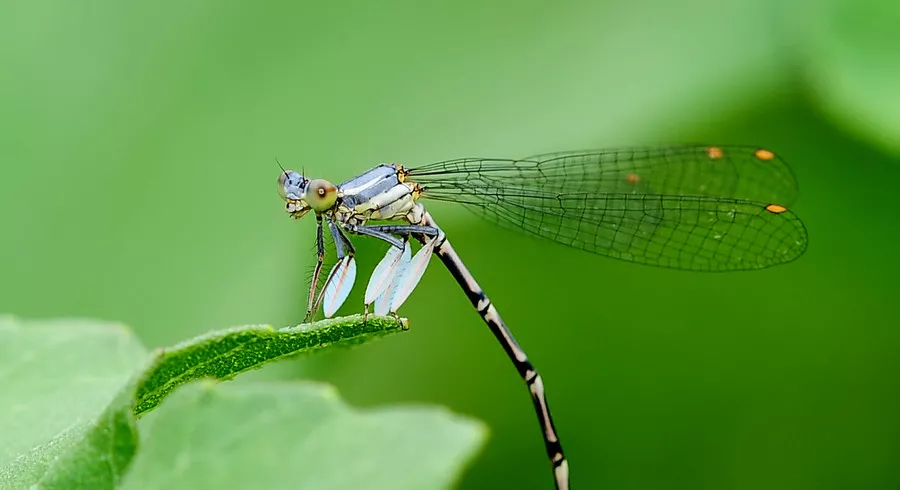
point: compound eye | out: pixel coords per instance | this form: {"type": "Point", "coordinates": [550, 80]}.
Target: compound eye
{"type": "Point", "coordinates": [321, 195]}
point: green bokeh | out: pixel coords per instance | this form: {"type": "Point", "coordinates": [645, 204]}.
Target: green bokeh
{"type": "Point", "coordinates": [138, 145]}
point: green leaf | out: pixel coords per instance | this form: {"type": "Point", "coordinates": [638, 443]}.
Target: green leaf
{"type": "Point", "coordinates": [56, 376]}
{"type": "Point", "coordinates": [225, 353]}
{"type": "Point", "coordinates": [850, 53]}
{"type": "Point", "coordinates": [296, 436]}
{"type": "Point", "coordinates": [63, 373]}
{"type": "Point", "coordinates": [103, 454]}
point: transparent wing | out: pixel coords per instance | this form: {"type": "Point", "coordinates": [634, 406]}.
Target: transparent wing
{"type": "Point", "coordinates": [738, 172]}
{"type": "Point", "coordinates": [693, 207]}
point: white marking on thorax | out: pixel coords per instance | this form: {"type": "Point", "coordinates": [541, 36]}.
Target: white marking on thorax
{"type": "Point", "coordinates": [394, 203]}
{"type": "Point", "coordinates": [356, 190]}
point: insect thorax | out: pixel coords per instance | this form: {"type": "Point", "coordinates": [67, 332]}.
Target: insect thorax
{"type": "Point", "coordinates": [379, 194]}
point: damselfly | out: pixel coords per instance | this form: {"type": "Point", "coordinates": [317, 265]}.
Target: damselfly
{"type": "Point", "coordinates": [699, 208]}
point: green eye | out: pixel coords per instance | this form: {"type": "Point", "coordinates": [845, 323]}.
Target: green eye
{"type": "Point", "coordinates": [321, 195]}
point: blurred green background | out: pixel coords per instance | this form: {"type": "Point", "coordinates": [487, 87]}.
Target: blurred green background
{"type": "Point", "coordinates": [138, 144]}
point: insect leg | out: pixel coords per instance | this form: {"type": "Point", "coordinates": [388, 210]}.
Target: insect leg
{"type": "Point", "coordinates": [342, 276]}
{"type": "Point", "coordinates": [320, 259]}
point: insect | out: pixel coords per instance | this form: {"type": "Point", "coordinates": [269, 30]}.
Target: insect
{"type": "Point", "coordinates": [696, 208]}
